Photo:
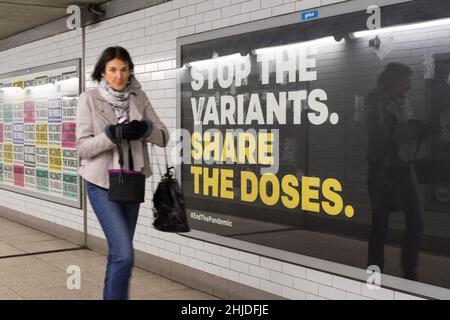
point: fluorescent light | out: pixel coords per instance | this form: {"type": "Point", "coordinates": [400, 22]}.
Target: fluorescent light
{"type": "Point", "coordinates": [235, 56]}
{"type": "Point", "coordinates": [222, 59]}
{"type": "Point", "coordinates": [403, 27]}
{"type": "Point", "coordinates": [316, 42]}
{"type": "Point", "coordinates": [12, 93]}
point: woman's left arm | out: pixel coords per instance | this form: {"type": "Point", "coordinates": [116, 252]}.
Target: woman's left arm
{"type": "Point", "coordinates": [155, 125]}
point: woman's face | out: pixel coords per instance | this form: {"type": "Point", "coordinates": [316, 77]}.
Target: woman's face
{"type": "Point", "coordinates": [117, 74]}
{"type": "Point", "coordinates": [403, 85]}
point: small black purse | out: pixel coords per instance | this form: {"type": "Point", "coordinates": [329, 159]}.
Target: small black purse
{"type": "Point", "coordinates": [432, 170]}
{"type": "Point", "coordinates": [168, 203]}
{"type": "Point", "coordinates": [125, 186]}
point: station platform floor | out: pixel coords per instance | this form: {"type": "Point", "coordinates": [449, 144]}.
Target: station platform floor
{"type": "Point", "coordinates": [34, 266]}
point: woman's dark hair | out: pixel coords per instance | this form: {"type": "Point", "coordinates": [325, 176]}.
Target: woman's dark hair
{"type": "Point", "coordinates": [109, 54]}
{"type": "Point", "coordinates": [393, 72]}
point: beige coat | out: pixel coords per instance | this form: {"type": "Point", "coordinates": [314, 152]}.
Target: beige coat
{"type": "Point", "coordinates": [98, 153]}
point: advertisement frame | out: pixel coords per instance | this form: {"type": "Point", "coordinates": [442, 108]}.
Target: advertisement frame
{"type": "Point", "coordinates": [333, 268]}
{"type": "Point", "coordinates": [25, 72]}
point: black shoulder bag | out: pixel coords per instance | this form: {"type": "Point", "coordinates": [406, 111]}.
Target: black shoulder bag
{"type": "Point", "coordinates": [168, 202]}
{"type": "Point", "coordinates": [125, 186]}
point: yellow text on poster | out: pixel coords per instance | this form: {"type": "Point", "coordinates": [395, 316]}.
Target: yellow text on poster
{"type": "Point", "coordinates": [249, 148]}
{"type": "Point", "coordinates": [42, 135]}
{"type": "Point", "coordinates": [8, 153]}
{"type": "Point", "coordinates": [310, 194]}
{"type": "Point", "coordinates": [55, 159]}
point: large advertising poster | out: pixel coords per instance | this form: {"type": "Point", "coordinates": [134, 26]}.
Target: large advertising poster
{"type": "Point", "coordinates": [305, 138]}
{"type": "Point", "coordinates": [37, 132]}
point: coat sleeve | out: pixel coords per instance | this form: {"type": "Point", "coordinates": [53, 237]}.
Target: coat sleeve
{"type": "Point", "coordinates": [159, 128]}
{"type": "Point", "coordinates": [377, 129]}
{"type": "Point", "coordinates": [89, 144]}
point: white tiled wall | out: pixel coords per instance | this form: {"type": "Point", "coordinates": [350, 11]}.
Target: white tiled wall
{"type": "Point", "coordinates": [58, 48]}
{"type": "Point", "coordinates": [65, 46]}
{"type": "Point", "coordinates": [150, 36]}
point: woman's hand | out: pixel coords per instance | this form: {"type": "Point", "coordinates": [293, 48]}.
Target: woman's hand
{"type": "Point", "coordinates": [134, 130]}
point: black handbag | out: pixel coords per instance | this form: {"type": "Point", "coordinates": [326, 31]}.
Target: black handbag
{"type": "Point", "coordinates": [125, 186]}
{"type": "Point", "coordinates": [168, 203]}
{"type": "Point", "coordinates": [432, 170]}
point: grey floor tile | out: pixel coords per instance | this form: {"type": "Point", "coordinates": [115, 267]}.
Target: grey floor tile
{"type": "Point", "coordinates": [27, 238]}
{"type": "Point", "coordinates": [94, 275]}
{"type": "Point", "coordinates": [185, 294]}
{"type": "Point", "coordinates": [8, 294]}
{"type": "Point", "coordinates": [44, 276]}
{"type": "Point", "coordinates": [143, 286]}
{"type": "Point", "coordinates": [9, 250]}
{"type": "Point", "coordinates": [17, 230]}
{"type": "Point", "coordinates": [45, 245]}
{"type": "Point", "coordinates": [76, 254]}
{"type": "Point", "coordinates": [83, 263]}
{"type": "Point", "coordinates": [139, 273]}
{"type": "Point", "coordinates": [23, 269]}
{"type": "Point", "coordinates": [41, 280]}
{"type": "Point", "coordinates": [17, 261]}
{"type": "Point", "coordinates": [87, 291]}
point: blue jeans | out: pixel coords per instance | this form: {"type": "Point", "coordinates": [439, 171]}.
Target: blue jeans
{"type": "Point", "coordinates": [118, 222]}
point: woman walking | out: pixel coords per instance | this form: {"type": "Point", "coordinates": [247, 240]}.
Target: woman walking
{"type": "Point", "coordinates": [118, 99]}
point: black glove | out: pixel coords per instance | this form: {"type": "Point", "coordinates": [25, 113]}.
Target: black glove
{"type": "Point", "coordinates": [110, 131]}
{"type": "Point", "coordinates": [134, 130]}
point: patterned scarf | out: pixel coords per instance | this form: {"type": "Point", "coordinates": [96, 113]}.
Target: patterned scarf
{"type": "Point", "coordinates": [400, 109]}
{"type": "Point", "coordinates": [118, 99]}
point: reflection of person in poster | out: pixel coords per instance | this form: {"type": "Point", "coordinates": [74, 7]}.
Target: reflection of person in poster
{"type": "Point", "coordinates": [29, 83]}
{"type": "Point", "coordinates": [41, 80]}
{"type": "Point", "coordinates": [394, 140]}
{"type": "Point", "coordinates": [69, 75]}
{"type": "Point", "coordinates": [54, 79]}
{"type": "Point", "coordinates": [19, 83]}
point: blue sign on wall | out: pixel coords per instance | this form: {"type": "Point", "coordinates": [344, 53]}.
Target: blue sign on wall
{"type": "Point", "coordinates": [308, 15]}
